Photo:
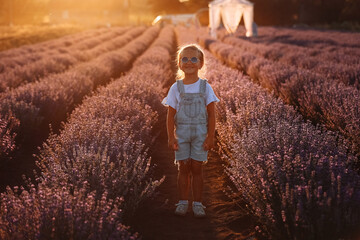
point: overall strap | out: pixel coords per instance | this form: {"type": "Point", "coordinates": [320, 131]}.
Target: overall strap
{"type": "Point", "coordinates": [202, 86]}
{"type": "Point", "coordinates": [180, 86]}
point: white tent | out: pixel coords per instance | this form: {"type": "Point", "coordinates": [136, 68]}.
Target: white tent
{"type": "Point", "coordinates": [231, 12]}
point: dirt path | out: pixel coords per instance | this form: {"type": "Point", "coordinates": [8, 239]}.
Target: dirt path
{"type": "Point", "coordinates": [155, 218]}
{"type": "Point", "coordinates": [22, 163]}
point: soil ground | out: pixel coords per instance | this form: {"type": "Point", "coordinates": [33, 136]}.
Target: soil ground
{"type": "Point", "coordinates": [155, 218]}
{"type": "Point", "coordinates": [22, 163]}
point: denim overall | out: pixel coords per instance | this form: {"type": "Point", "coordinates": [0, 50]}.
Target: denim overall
{"type": "Point", "coordinates": [191, 123]}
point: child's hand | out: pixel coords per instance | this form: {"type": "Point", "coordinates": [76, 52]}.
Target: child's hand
{"type": "Point", "coordinates": [209, 143]}
{"type": "Point", "coordinates": [173, 144]}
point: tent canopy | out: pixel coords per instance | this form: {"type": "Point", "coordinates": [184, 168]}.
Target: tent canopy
{"type": "Point", "coordinates": [231, 12]}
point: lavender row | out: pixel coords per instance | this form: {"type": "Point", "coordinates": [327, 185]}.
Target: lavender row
{"type": "Point", "coordinates": [294, 177]}
{"type": "Point", "coordinates": [123, 114]}
{"type": "Point", "coordinates": [19, 60]}
{"type": "Point", "coordinates": [331, 103]}
{"type": "Point", "coordinates": [27, 53]}
{"type": "Point", "coordinates": [48, 101]}
{"type": "Point", "coordinates": [336, 66]}
{"type": "Point", "coordinates": [18, 36]}
{"type": "Point", "coordinates": [309, 37]}
{"type": "Point", "coordinates": [61, 61]}
{"type": "Point", "coordinates": [65, 41]}
{"type": "Point", "coordinates": [85, 167]}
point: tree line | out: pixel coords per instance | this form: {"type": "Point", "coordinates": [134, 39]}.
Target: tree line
{"type": "Point", "coordinates": [279, 12]}
{"type": "Point", "coordinates": [266, 12]}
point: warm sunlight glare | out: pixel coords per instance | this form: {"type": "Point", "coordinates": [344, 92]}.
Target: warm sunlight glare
{"type": "Point", "coordinates": [89, 12]}
{"type": "Point", "coordinates": [156, 20]}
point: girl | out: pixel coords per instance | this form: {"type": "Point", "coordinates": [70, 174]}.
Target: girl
{"type": "Point", "coordinates": [191, 110]}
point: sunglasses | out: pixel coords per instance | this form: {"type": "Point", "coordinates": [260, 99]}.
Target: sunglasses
{"type": "Point", "coordinates": [193, 59]}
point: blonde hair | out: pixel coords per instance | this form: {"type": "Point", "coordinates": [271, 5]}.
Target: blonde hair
{"type": "Point", "coordinates": [180, 74]}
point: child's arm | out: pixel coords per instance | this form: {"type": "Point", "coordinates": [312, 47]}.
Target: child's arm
{"type": "Point", "coordinates": [170, 123]}
{"type": "Point", "coordinates": [210, 139]}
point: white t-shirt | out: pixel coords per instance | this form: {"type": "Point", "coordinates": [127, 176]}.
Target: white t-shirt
{"type": "Point", "coordinates": [173, 97]}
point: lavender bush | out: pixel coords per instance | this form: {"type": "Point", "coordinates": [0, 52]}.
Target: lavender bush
{"type": "Point", "coordinates": [117, 112]}
{"type": "Point", "coordinates": [60, 213]}
{"type": "Point", "coordinates": [334, 66]}
{"type": "Point", "coordinates": [91, 179]}
{"type": "Point", "coordinates": [48, 101]}
{"type": "Point", "coordinates": [20, 35]}
{"type": "Point", "coordinates": [310, 38]}
{"type": "Point", "coordinates": [57, 44]}
{"type": "Point", "coordinates": [301, 88]}
{"type": "Point", "coordinates": [8, 124]}
{"type": "Point", "coordinates": [30, 70]}
{"type": "Point", "coordinates": [296, 178]}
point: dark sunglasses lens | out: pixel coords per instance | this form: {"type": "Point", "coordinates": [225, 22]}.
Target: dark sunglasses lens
{"type": "Point", "coordinates": [184, 59]}
{"type": "Point", "coordinates": [194, 60]}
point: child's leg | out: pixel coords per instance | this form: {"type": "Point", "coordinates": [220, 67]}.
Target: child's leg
{"type": "Point", "coordinates": [184, 179]}
{"type": "Point", "coordinates": [197, 181]}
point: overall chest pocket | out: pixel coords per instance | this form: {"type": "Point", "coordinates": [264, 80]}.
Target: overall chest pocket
{"type": "Point", "coordinates": [192, 107]}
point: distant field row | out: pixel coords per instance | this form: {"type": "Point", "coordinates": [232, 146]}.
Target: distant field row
{"type": "Point", "coordinates": [15, 36]}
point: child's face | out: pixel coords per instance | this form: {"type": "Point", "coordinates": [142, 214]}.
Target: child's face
{"type": "Point", "coordinates": [189, 67]}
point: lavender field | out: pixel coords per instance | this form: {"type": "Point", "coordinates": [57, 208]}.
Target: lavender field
{"type": "Point", "coordinates": [83, 147]}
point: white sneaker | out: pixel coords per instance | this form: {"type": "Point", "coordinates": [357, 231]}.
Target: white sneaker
{"type": "Point", "coordinates": [181, 208]}
{"type": "Point", "coordinates": [198, 209]}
